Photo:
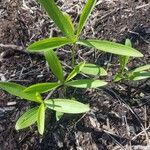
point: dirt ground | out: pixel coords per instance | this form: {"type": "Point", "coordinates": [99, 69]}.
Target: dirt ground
{"type": "Point", "coordinates": [120, 113]}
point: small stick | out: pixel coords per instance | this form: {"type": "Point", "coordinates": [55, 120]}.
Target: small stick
{"type": "Point", "coordinates": [19, 48]}
{"type": "Point", "coordinates": [142, 132]}
{"type": "Point", "coordinates": [142, 6]}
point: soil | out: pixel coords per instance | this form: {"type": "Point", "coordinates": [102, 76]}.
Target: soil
{"type": "Point", "coordinates": [120, 113]}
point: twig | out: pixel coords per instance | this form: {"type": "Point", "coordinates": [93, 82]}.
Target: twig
{"type": "Point", "coordinates": [138, 147]}
{"type": "Point", "coordinates": [135, 33]}
{"type": "Point", "coordinates": [132, 111]}
{"type": "Point", "coordinates": [49, 94]}
{"type": "Point", "coordinates": [110, 13]}
{"type": "Point", "coordinates": [111, 136]}
{"type": "Point", "coordinates": [142, 6]}
{"type": "Point", "coordinates": [15, 47]}
{"type": "Point", "coordinates": [140, 133]}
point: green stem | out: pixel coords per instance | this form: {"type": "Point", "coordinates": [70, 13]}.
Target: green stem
{"type": "Point", "coordinates": [73, 55]}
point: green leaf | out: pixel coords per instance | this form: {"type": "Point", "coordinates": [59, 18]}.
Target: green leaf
{"type": "Point", "coordinates": [142, 68]}
{"type": "Point", "coordinates": [124, 59]}
{"type": "Point", "coordinates": [54, 64]}
{"type": "Point", "coordinates": [85, 14]}
{"type": "Point", "coordinates": [86, 83]}
{"type": "Point", "coordinates": [18, 90]}
{"type": "Point", "coordinates": [58, 115]}
{"type": "Point", "coordinates": [75, 71]}
{"type": "Point", "coordinates": [140, 75]}
{"type": "Point", "coordinates": [67, 106]}
{"type": "Point", "coordinates": [117, 77]}
{"type": "Point", "coordinates": [128, 43]}
{"type": "Point", "coordinates": [92, 69]}
{"type": "Point", "coordinates": [41, 119]}
{"type": "Point", "coordinates": [111, 47]}
{"type": "Point", "coordinates": [42, 87]}
{"type": "Point", "coordinates": [67, 16]}
{"type": "Point", "coordinates": [57, 16]}
{"type": "Point", "coordinates": [27, 119]}
{"type": "Point", "coordinates": [47, 44]}
{"type": "Point", "coordinates": [123, 62]}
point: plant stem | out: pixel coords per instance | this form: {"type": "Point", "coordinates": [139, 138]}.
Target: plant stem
{"type": "Point", "coordinates": [64, 91]}
{"type": "Point", "coordinates": [73, 55]}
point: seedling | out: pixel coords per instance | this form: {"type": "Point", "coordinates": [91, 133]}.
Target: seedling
{"type": "Point", "coordinates": [71, 36]}
{"type": "Point", "coordinates": [124, 73]}
{"type": "Point", "coordinates": [33, 93]}
{"type": "Point", "coordinates": [37, 114]}
{"type": "Point", "coordinates": [57, 70]}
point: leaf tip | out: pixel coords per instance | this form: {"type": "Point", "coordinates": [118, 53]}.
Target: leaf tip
{"type": "Point", "coordinates": [41, 132]}
{"type": "Point", "coordinates": [141, 55]}
{"type": "Point", "coordinates": [17, 127]}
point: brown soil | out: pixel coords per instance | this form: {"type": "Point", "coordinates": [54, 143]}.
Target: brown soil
{"type": "Point", "coordinates": [118, 112]}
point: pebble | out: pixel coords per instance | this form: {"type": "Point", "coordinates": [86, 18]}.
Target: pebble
{"type": "Point", "coordinates": [2, 77]}
{"type": "Point", "coordinates": [11, 103]}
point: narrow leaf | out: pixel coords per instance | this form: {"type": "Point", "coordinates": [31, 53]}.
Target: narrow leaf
{"type": "Point", "coordinates": [111, 47]}
{"type": "Point", "coordinates": [142, 68]}
{"type": "Point", "coordinates": [124, 59]}
{"type": "Point", "coordinates": [85, 14]}
{"type": "Point", "coordinates": [123, 62]}
{"type": "Point", "coordinates": [67, 16]}
{"type": "Point", "coordinates": [42, 87]}
{"type": "Point", "coordinates": [92, 69]}
{"type": "Point", "coordinates": [58, 115]}
{"type": "Point", "coordinates": [140, 75]}
{"type": "Point", "coordinates": [27, 119]}
{"type": "Point", "coordinates": [67, 106]}
{"type": "Point", "coordinates": [41, 119]}
{"type": "Point", "coordinates": [118, 77]}
{"type": "Point", "coordinates": [54, 64]}
{"type": "Point", "coordinates": [18, 90]}
{"type": "Point", "coordinates": [128, 43]}
{"type": "Point", "coordinates": [86, 83]}
{"type": "Point", "coordinates": [57, 16]}
{"type": "Point", "coordinates": [75, 71]}
{"type": "Point", "coordinates": [47, 44]}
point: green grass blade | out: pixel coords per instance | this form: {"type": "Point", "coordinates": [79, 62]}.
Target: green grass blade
{"type": "Point", "coordinates": [42, 87]}
{"type": "Point", "coordinates": [92, 69]}
{"type": "Point", "coordinates": [111, 47]}
{"type": "Point", "coordinates": [57, 16]}
{"type": "Point", "coordinates": [27, 119]}
{"type": "Point", "coordinates": [85, 14]}
{"type": "Point", "coordinates": [67, 106]}
{"type": "Point", "coordinates": [47, 44]}
{"type": "Point", "coordinates": [41, 119]}
{"type": "Point", "coordinates": [75, 71]}
{"type": "Point", "coordinates": [18, 90]}
{"type": "Point", "coordinates": [54, 64]}
{"type": "Point", "coordinates": [86, 83]}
